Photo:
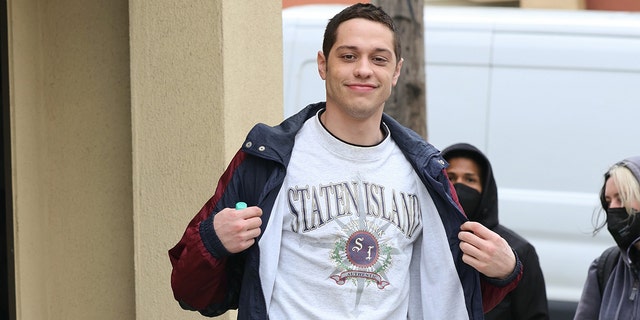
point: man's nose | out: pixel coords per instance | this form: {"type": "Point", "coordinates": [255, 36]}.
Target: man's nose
{"type": "Point", "coordinates": [363, 68]}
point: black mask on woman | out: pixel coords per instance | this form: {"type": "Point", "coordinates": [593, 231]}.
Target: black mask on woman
{"type": "Point", "coordinates": [624, 228]}
{"type": "Point", "coordinates": [469, 198]}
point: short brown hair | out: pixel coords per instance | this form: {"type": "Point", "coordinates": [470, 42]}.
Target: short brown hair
{"type": "Point", "coordinates": [360, 10]}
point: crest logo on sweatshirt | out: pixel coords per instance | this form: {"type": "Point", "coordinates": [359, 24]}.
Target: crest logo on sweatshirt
{"type": "Point", "coordinates": [360, 256]}
{"type": "Point", "coordinates": [367, 220]}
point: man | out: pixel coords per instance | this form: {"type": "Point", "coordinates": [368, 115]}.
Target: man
{"type": "Point", "coordinates": [471, 174]}
{"type": "Point", "coordinates": [351, 215]}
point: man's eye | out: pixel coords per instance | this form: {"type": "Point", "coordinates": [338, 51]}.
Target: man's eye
{"type": "Point", "coordinates": [380, 60]}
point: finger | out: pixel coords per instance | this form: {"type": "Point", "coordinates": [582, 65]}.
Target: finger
{"type": "Point", "coordinates": [474, 257]}
{"type": "Point", "coordinates": [479, 230]}
{"type": "Point", "coordinates": [466, 235]}
{"type": "Point", "coordinates": [471, 239]}
{"type": "Point", "coordinates": [471, 250]}
{"type": "Point", "coordinates": [253, 223]}
{"type": "Point", "coordinates": [241, 241]}
{"type": "Point", "coordinates": [472, 226]}
{"type": "Point", "coordinates": [474, 261]}
{"type": "Point", "coordinates": [470, 260]}
{"type": "Point", "coordinates": [249, 212]}
{"type": "Point", "coordinates": [253, 233]}
{"type": "Point", "coordinates": [248, 237]}
{"type": "Point", "coordinates": [246, 244]}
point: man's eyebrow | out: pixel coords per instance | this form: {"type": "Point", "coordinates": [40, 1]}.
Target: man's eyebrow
{"type": "Point", "coordinates": [355, 48]}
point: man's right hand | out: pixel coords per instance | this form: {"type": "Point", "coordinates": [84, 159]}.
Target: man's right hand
{"type": "Point", "coordinates": [237, 229]}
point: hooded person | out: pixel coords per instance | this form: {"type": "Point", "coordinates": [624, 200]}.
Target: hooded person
{"type": "Point", "coordinates": [472, 177]}
{"type": "Point", "coordinates": [611, 288]}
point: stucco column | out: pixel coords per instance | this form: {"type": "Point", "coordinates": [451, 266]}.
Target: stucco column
{"type": "Point", "coordinates": [202, 73]}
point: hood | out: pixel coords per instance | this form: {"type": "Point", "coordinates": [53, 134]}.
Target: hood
{"type": "Point", "coordinates": [487, 211]}
{"type": "Point", "coordinates": [633, 163]}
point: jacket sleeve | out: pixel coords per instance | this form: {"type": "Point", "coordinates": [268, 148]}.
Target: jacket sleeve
{"type": "Point", "coordinates": [591, 299]}
{"type": "Point", "coordinates": [494, 290]}
{"type": "Point", "coordinates": [205, 277]}
{"type": "Point", "coordinates": [529, 299]}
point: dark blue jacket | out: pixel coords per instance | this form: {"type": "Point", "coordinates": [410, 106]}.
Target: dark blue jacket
{"type": "Point", "coordinates": [207, 278]}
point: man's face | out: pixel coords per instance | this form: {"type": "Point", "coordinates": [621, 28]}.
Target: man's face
{"type": "Point", "coordinates": [361, 68]}
{"type": "Point", "coordinates": [465, 171]}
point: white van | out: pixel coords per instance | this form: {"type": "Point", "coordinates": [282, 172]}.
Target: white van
{"type": "Point", "coordinates": [551, 97]}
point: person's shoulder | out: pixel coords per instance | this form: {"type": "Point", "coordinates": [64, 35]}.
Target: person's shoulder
{"type": "Point", "coordinates": [289, 126]}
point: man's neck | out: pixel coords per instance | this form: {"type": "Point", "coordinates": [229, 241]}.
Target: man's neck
{"type": "Point", "coordinates": [365, 132]}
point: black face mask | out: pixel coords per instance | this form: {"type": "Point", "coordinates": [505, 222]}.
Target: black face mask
{"type": "Point", "coordinates": [469, 198]}
{"type": "Point", "coordinates": [623, 227]}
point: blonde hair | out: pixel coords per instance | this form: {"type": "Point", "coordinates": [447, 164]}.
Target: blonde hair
{"type": "Point", "coordinates": [628, 190]}
{"type": "Point", "coordinates": [627, 184]}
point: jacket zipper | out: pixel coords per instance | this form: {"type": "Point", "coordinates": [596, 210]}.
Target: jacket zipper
{"type": "Point", "coordinates": [634, 290]}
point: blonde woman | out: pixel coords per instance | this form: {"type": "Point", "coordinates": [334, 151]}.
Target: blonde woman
{"type": "Point", "coordinates": [612, 292]}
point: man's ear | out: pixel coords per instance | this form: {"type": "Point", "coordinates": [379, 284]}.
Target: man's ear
{"type": "Point", "coordinates": [396, 73]}
{"type": "Point", "coordinates": [322, 65]}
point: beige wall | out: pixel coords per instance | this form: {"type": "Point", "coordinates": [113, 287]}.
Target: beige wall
{"type": "Point", "coordinates": [71, 159]}
{"type": "Point", "coordinates": [123, 115]}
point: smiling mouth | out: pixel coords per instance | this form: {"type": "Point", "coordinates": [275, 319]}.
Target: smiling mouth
{"type": "Point", "coordinates": [361, 86]}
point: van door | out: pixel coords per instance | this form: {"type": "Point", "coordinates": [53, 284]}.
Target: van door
{"type": "Point", "coordinates": [565, 105]}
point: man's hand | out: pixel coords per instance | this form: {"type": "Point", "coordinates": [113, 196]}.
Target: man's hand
{"type": "Point", "coordinates": [486, 251]}
{"type": "Point", "coordinates": [237, 229]}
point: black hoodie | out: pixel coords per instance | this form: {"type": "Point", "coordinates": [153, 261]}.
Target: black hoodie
{"type": "Point", "coordinates": [529, 299]}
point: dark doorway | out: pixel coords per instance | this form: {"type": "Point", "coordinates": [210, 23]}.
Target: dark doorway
{"type": "Point", "coordinates": [7, 283]}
